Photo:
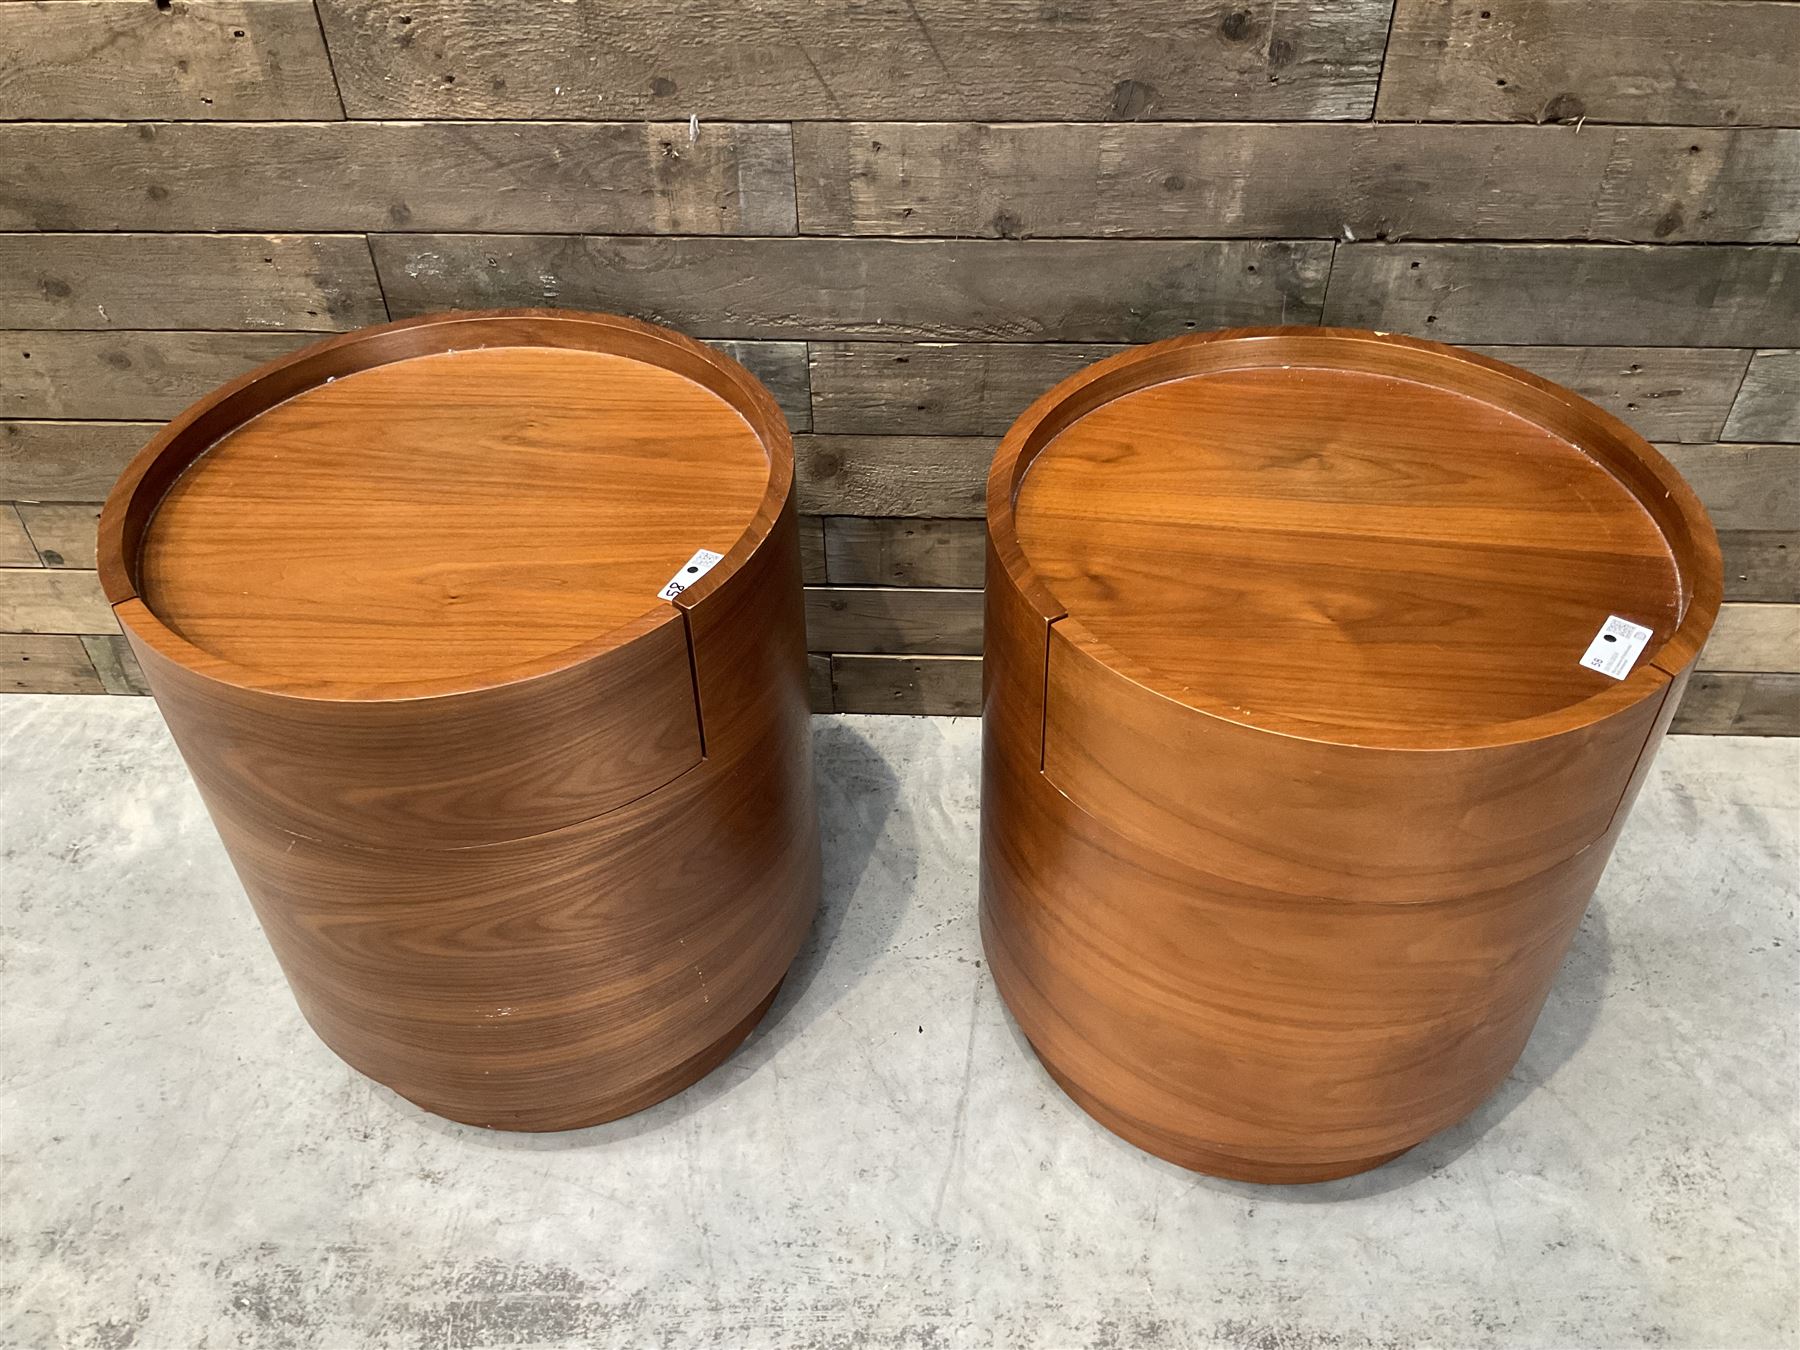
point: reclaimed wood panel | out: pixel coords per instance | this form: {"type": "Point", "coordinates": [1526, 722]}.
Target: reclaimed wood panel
{"type": "Point", "coordinates": [1761, 564]}
{"type": "Point", "coordinates": [618, 177]}
{"type": "Point", "coordinates": [46, 665]}
{"type": "Point", "coordinates": [1687, 62]}
{"type": "Point", "coordinates": [1755, 639]}
{"type": "Point", "coordinates": [50, 600]}
{"type": "Point", "coordinates": [1740, 705]}
{"type": "Point", "coordinates": [887, 619]}
{"type": "Point", "coordinates": [16, 548]}
{"type": "Point", "coordinates": [1079, 60]}
{"type": "Point", "coordinates": [319, 283]}
{"type": "Point", "coordinates": [124, 376]}
{"type": "Point", "coordinates": [114, 663]}
{"type": "Point", "coordinates": [1667, 393]}
{"type": "Point", "coordinates": [1318, 180]}
{"type": "Point", "coordinates": [122, 59]}
{"type": "Point", "coordinates": [1044, 290]}
{"type": "Point", "coordinates": [1678, 295]}
{"type": "Point", "coordinates": [928, 685]}
{"type": "Point", "coordinates": [812, 551]}
{"type": "Point", "coordinates": [63, 534]}
{"type": "Point", "coordinates": [1768, 406]}
{"type": "Point", "coordinates": [782, 367]}
{"type": "Point", "coordinates": [861, 551]}
{"type": "Point", "coordinates": [892, 475]}
{"type": "Point", "coordinates": [1744, 487]}
{"type": "Point", "coordinates": [818, 682]}
{"type": "Point", "coordinates": [64, 461]}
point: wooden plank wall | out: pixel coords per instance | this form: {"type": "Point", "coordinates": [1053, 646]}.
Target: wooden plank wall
{"type": "Point", "coordinates": [1605, 191]}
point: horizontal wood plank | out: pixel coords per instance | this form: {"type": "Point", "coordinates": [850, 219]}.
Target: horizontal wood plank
{"type": "Point", "coordinates": [122, 376]}
{"type": "Point", "coordinates": [1740, 705]}
{"type": "Point", "coordinates": [1317, 180]}
{"type": "Point", "coordinates": [782, 367]}
{"type": "Point", "coordinates": [1079, 60]}
{"type": "Point", "coordinates": [49, 600]}
{"type": "Point", "coordinates": [320, 283]}
{"type": "Point", "coordinates": [1687, 62]}
{"type": "Point", "coordinates": [888, 619]}
{"type": "Point", "coordinates": [1744, 487]}
{"type": "Point", "coordinates": [241, 59]}
{"type": "Point", "coordinates": [1667, 393]}
{"type": "Point", "coordinates": [1680, 295]}
{"type": "Point", "coordinates": [64, 461]}
{"type": "Point", "coordinates": [1768, 406]}
{"type": "Point", "coordinates": [16, 548]}
{"type": "Point", "coordinates": [1045, 290]}
{"type": "Point", "coordinates": [1754, 639]}
{"type": "Point", "coordinates": [929, 685]}
{"type": "Point", "coordinates": [65, 534]}
{"type": "Point", "coordinates": [893, 475]}
{"type": "Point", "coordinates": [609, 178]}
{"type": "Point", "coordinates": [46, 665]}
{"type": "Point", "coordinates": [860, 551]}
{"type": "Point", "coordinates": [818, 682]}
{"type": "Point", "coordinates": [812, 551]}
{"type": "Point", "coordinates": [1761, 564]}
{"type": "Point", "coordinates": [114, 664]}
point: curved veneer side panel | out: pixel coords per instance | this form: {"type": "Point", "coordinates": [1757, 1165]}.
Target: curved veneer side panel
{"type": "Point", "coordinates": [449, 770]}
{"type": "Point", "coordinates": [1332, 820]}
{"type": "Point", "coordinates": [557, 981]}
{"type": "Point", "coordinates": [1248, 1032]}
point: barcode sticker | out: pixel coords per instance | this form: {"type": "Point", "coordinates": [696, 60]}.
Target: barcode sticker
{"type": "Point", "coordinates": [696, 567]}
{"type": "Point", "coordinates": [1616, 647]}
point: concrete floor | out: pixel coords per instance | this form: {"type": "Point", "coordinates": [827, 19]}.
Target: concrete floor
{"type": "Point", "coordinates": [183, 1165]}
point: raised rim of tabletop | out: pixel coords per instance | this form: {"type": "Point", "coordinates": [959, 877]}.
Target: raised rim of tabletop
{"type": "Point", "coordinates": [126, 516]}
{"type": "Point", "coordinates": [1631, 460]}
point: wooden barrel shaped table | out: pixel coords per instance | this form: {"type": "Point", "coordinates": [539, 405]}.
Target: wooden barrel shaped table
{"type": "Point", "coordinates": [482, 636]}
{"type": "Point", "coordinates": [1322, 669]}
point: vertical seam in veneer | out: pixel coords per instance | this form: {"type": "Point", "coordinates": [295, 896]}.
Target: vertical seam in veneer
{"type": "Point", "coordinates": [687, 633]}
{"type": "Point", "coordinates": [1650, 740]}
{"type": "Point", "coordinates": [1044, 699]}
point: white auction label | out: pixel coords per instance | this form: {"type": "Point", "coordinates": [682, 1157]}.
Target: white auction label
{"type": "Point", "coordinates": [1615, 647]}
{"type": "Point", "coordinates": [696, 567]}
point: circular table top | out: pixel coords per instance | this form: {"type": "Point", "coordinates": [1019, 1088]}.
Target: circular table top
{"type": "Point", "coordinates": [1339, 550]}
{"type": "Point", "coordinates": [450, 512]}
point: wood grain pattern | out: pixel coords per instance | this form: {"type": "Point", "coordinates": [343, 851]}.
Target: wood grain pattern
{"type": "Point", "coordinates": [891, 619]}
{"type": "Point", "coordinates": [1768, 406]}
{"type": "Point", "coordinates": [38, 599]}
{"type": "Point", "coordinates": [603, 178]}
{"type": "Point", "coordinates": [16, 548]}
{"type": "Point", "coordinates": [317, 283]}
{"type": "Point", "coordinates": [1083, 60]}
{"type": "Point", "coordinates": [67, 375]}
{"type": "Point", "coordinates": [559, 886]}
{"type": "Point", "coordinates": [1745, 487]}
{"type": "Point", "coordinates": [1321, 180]}
{"type": "Point", "coordinates": [1723, 295]}
{"type": "Point", "coordinates": [101, 59]}
{"type": "Point", "coordinates": [113, 662]}
{"type": "Point", "coordinates": [930, 685]}
{"type": "Point", "coordinates": [1741, 705]}
{"type": "Point", "coordinates": [1666, 393]}
{"type": "Point", "coordinates": [46, 665]}
{"type": "Point", "coordinates": [1754, 639]}
{"type": "Point", "coordinates": [1153, 823]}
{"type": "Point", "coordinates": [1761, 564]}
{"type": "Point", "coordinates": [812, 550]}
{"type": "Point", "coordinates": [1122, 291]}
{"type": "Point", "coordinates": [1687, 62]}
{"type": "Point", "coordinates": [892, 475]}
{"type": "Point", "coordinates": [63, 534]}
{"type": "Point", "coordinates": [62, 461]}
{"type": "Point", "coordinates": [864, 552]}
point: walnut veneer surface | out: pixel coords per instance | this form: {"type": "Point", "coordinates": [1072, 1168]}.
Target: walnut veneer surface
{"type": "Point", "coordinates": [1295, 788]}
{"type": "Point", "coordinates": [534, 846]}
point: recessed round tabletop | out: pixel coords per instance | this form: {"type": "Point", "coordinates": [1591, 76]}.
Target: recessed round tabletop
{"type": "Point", "coordinates": [449, 513]}
{"type": "Point", "coordinates": [1300, 546]}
